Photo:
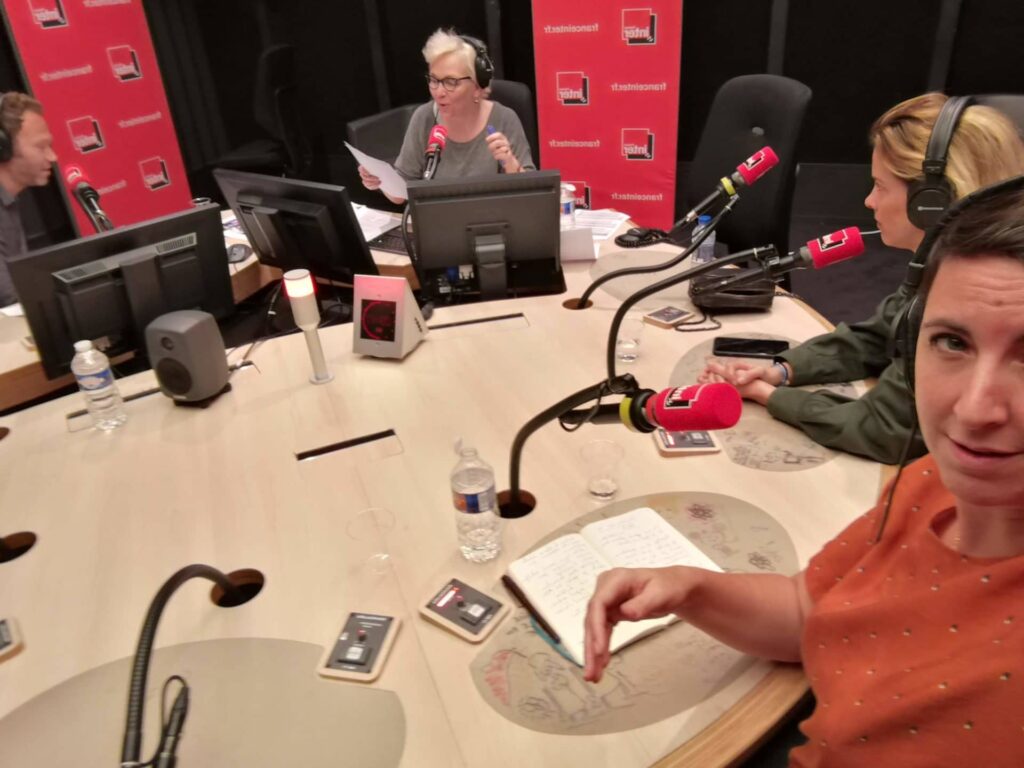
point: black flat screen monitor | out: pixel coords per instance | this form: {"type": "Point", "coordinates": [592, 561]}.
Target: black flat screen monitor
{"type": "Point", "coordinates": [293, 224]}
{"type": "Point", "coordinates": [108, 287]}
{"type": "Point", "coordinates": [495, 236]}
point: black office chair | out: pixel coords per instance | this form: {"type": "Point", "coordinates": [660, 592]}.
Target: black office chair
{"type": "Point", "coordinates": [1010, 104]}
{"type": "Point", "coordinates": [749, 112]}
{"type": "Point", "coordinates": [381, 135]}
{"type": "Point", "coordinates": [518, 97]}
{"type": "Point", "coordinates": [276, 110]}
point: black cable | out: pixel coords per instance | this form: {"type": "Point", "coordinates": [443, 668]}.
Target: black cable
{"type": "Point", "coordinates": [892, 489]}
{"type": "Point", "coordinates": [704, 318]}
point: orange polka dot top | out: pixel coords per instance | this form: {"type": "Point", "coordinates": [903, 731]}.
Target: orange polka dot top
{"type": "Point", "coordinates": [915, 652]}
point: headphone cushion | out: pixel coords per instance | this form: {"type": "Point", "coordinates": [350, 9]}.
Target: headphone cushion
{"type": "Point", "coordinates": [908, 330]}
{"type": "Point", "coordinates": [926, 202]}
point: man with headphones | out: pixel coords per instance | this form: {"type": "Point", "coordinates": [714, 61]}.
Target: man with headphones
{"type": "Point", "coordinates": [26, 160]}
{"type": "Point", "coordinates": [928, 151]}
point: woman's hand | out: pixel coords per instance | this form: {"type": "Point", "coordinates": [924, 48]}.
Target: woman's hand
{"type": "Point", "coordinates": [754, 382]}
{"type": "Point", "coordinates": [369, 180]}
{"type": "Point", "coordinates": [501, 150]}
{"type": "Point", "coordinates": [629, 594]}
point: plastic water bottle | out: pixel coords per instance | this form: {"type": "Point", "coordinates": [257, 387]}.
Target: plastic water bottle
{"type": "Point", "coordinates": [96, 381]}
{"type": "Point", "coordinates": [706, 250]}
{"type": "Point", "coordinates": [567, 207]}
{"type": "Point", "coordinates": [476, 506]}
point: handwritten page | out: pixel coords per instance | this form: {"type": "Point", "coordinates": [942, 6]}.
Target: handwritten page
{"type": "Point", "coordinates": [644, 539]}
{"type": "Point", "coordinates": [390, 181]}
{"type": "Point", "coordinates": [559, 579]}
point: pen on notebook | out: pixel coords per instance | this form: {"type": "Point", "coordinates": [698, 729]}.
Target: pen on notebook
{"type": "Point", "coordinates": [491, 129]}
{"type": "Point", "coordinates": [517, 593]}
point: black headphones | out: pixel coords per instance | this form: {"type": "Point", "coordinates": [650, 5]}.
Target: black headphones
{"type": "Point", "coordinates": [6, 143]}
{"type": "Point", "coordinates": [929, 196]}
{"type": "Point", "coordinates": [483, 67]}
{"type": "Point", "coordinates": [907, 323]}
{"type": "Point", "coordinates": [638, 237]}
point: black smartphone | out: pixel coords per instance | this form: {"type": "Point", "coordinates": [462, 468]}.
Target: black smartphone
{"type": "Point", "coordinates": [732, 346]}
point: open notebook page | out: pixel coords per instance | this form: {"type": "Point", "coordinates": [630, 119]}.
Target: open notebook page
{"type": "Point", "coordinates": [644, 539]}
{"type": "Point", "coordinates": [559, 579]}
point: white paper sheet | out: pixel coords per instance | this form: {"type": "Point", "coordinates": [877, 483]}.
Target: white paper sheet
{"type": "Point", "coordinates": [390, 181]}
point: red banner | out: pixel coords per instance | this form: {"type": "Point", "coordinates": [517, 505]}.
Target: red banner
{"type": "Point", "coordinates": [91, 63]}
{"type": "Point", "coordinates": [608, 101]}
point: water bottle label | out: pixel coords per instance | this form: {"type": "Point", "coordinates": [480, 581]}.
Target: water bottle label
{"type": "Point", "coordinates": [98, 380]}
{"type": "Point", "coordinates": [474, 503]}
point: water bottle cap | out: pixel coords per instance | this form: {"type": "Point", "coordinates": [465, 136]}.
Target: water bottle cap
{"type": "Point", "coordinates": [704, 218]}
{"type": "Point", "coordinates": [462, 447]}
{"type": "Point", "coordinates": [83, 346]}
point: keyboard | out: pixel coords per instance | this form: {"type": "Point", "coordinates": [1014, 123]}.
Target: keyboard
{"type": "Point", "coordinates": [390, 241]}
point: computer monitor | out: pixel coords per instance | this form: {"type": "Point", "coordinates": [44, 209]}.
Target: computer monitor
{"type": "Point", "coordinates": [493, 236]}
{"type": "Point", "coordinates": [293, 224]}
{"type": "Point", "coordinates": [109, 287]}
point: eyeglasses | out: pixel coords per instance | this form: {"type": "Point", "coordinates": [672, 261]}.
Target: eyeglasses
{"type": "Point", "coordinates": [449, 83]}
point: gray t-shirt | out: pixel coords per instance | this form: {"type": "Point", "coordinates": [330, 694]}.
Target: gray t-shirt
{"type": "Point", "coordinates": [12, 243]}
{"type": "Point", "coordinates": [468, 158]}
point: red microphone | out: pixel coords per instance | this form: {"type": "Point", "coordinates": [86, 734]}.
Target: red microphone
{"type": "Point", "coordinates": [828, 249]}
{"type": "Point", "coordinates": [87, 196]}
{"type": "Point", "coordinates": [435, 143]}
{"type": "Point", "coordinates": [678, 409]}
{"type": "Point", "coordinates": [747, 172]}
{"type": "Point", "coordinates": [699, 406]}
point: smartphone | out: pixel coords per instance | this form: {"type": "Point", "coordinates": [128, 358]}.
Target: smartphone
{"type": "Point", "coordinates": [731, 346]}
{"type": "Point", "coordinates": [667, 317]}
{"type": "Point", "coordinates": [693, 441]}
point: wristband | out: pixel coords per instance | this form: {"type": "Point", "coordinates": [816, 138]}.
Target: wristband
{"type": "Point", "coordinates": [784, 371]}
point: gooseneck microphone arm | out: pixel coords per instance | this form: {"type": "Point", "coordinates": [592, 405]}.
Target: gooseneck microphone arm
{"type": "Point", "coordinates": [132, 745]}
{"type": "Point", "coordinates": [694, 244]}
{"type": "Point", "coordinates": [668, 282]}
{"type": "Point", "coordinates": [621, 385]}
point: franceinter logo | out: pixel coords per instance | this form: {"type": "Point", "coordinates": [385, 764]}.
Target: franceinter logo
{"type": "Point", "coordinates": [124, 63]}
{"type": "Point", "coordinates": [86, 134]}
{"type": "Point", "coordinates": [639, 26]}
{"type": "Point", "coordinates": [637, 144]}
{"type": "Point", "coordinates": [582, 194]}
{"type": "Point", "coordinates": [154, 172]}
{"type": "Point", "coordinates": [48, 13]}
{"type": "Point", "coordinates": [573, 88]}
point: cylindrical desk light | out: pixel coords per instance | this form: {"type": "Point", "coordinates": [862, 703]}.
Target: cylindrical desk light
{"type": "Point", "coordinates": [298, 284]}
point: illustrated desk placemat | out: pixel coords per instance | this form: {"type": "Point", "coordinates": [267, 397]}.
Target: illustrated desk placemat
{"type": "Point", "coordinates": [531, 684]}
{"type": "Point", "coordinates": [760, 441]}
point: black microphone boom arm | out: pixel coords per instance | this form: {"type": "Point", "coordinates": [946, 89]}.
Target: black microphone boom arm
{"type": "Point", "coordinates": [620, 385]}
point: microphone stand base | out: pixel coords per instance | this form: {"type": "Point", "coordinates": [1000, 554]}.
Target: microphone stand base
{"type": "Point", "coordinates": [575, 304]}
{"type": "Point", "coordinates": [520, 507]}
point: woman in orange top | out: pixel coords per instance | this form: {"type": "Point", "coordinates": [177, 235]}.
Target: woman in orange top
{"type": "Point", "coordinates": [910, 624]}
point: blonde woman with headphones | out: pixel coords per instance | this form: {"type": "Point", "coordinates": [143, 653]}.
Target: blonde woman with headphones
{"type": "Point", "coordinates": [927, 152]}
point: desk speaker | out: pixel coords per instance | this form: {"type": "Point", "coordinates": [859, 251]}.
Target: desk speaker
{"type": "Point", "coordinates": [186, 351]}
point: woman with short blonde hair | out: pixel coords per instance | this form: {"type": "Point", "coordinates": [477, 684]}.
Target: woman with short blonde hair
{"type": "Point", "coordinates": [483, 136]}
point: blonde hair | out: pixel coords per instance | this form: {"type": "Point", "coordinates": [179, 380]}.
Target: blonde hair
{"type": "Point", "coordinates": [986, 145]}
{"type": "Point", "coordinates": [15, 105]}
{"type": "Point", "coordinates": [445, 41]}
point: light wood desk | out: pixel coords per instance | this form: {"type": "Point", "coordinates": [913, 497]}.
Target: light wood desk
{"type": "Point", "coordinates": [117, 513]}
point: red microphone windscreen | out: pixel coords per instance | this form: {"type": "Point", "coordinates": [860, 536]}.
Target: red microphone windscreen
{"type": "Point", "coordinates": [438, 137]}
{"type": "Point", "coordinates": [844, 244]}
{"type": "Point", "coordinates": [699, 406]}
{"type": "Point", "coordinates": [74, 175]}
{"type": "Point", "coordinates": [757, 165]}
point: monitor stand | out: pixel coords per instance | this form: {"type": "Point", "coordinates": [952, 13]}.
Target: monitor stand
{"type": "Point", "coordinates": [491, 267]}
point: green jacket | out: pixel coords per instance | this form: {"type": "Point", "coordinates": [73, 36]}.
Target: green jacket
{"type": "Point", "coordinates": [877, 424]}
